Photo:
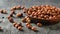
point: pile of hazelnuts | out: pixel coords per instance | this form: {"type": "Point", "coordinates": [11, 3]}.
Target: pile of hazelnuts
{"type": "Point", "coordinates": [46, 13]}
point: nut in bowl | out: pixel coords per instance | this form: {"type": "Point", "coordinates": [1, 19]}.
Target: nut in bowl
{"type": "Point", "coordinates": [47, 14]}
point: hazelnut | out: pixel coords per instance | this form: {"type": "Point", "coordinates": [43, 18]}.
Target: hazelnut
{"type": "Point", "coordinates": [13, 8]}
{"type": "Point", "coordinates": [20, 24]}
{"type": "Point", "coordinates": [11, 20]}
{"type": "Point", "coordinates": [1, 11]}
{"type": "Point", "coordinates": [25, 10]}
{"type": "Point", "coordinates": [24, 20]}
{"type": "Point", "coordinates": [29, 12]}
{"type": "Point", "coordinates": [19, 14]}
{"type": "Point", "coordinates": [34, 28]}
{"type": "Point", "coordinates": [12, 12]}
{"type": "Point", "coordinates": [27, 23]}
{"type": "Point", "coordinates": [28, 26]}
{"type": "Point", "coordinates": [4, 12]}
{"type": "Point", "coordinates": [39, 24]}
{"type": "Point", "coordinates": [14, 24]}
{"type": "Point", "coordinates": [17, 25]}
{"type": "Point", "coordinates": [11, 15]}
{"type": "Point", "coordinates": [22, 7]}
{"type": "Point", "coordinates": [20, 28]}
{"type": "Point", "coordinates": [26, 16]}
{"type": "Point", "coordinates": [18, 7]}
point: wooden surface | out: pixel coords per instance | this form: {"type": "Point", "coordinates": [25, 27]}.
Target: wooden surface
{"type": "Point", "coordinates": [8, 27]}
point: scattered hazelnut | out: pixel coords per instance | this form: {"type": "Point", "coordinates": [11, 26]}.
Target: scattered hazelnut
{"type": "Point", "coordinates": [14, 24]}
{"type": "Point", "coordinates": [13, 8]}
{"type": "Point", "coordinates": [34, 28]}
{"type": "Point", "coordinates": [12, 12]}
{"type": "Point", "coordinates": [28, 26]}
{"type": "Point", "coordinates": [18, 7]}
{"type": "Point", "coordinates": [39, 24]}
{"type": "Point", "coordinates": [24, 20]}
{"type": "Point", "coordinates": [4, 12]}
{"type": "Point", "coordinates": [17, 25]}
{"type": "Point", "coordinates": [19, 14]}
{"type": "Point", "coordinates": [11, 20]}
{"type": "Point", "coordinates": [20, 28]}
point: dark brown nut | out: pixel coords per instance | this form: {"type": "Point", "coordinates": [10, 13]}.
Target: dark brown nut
{"type": "Point", "coordinates": [20, 24]}
{"type": "Point", "coordinates": [11, 15]}
{"type": "Point", "coordinates": [1, 11]}
{"type": "Point", "coordinates": [14, 24]}
{"type": "Point", "coordinates": [17, 25]}
{"type": "Point", "coordinates": [19, 14]}
{"type": "Point", "coordinates": [34, 28]}
{"type": "Point", "coordinates": [39, 24]}
{"type": "Point", "coordinates": [13, 12]}
{"type": "Point", "coordinates": [13, 8]}
{"type": "Point", "coordinates": [24, 20]}
{"type": "Point", "coordinates": [20, 28]}
{"type": "Point", "coordinates": [28, 26]}
{"type": "Point", "coordinates": [11, 20]}
{"type": "Point", "coordinates": [18, 7]}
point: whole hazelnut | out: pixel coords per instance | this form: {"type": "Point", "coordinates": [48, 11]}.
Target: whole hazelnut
{"type": "Point", "coordinates": [20, 28]}
{"type": "Point", "coordinates": [39, 24]}
{"type": "Point", "coordinates": [19, 14]}
{"type": "Point", "coordinates": [11, 15]}
{"type": "Point", "coordinates": [13, 8]}
{"type": "Point", "coordinates": [1, 11]}
{"type": "Point", "coordinates": [25, 10]}
{"type": "Point", "coordinates": [27, 23]}
{"type": "Point", "coordinates": [17, 25]}
{"type": "Point", "coordinates": [12, 12]}
{"type": "Point", "coordinates": [34, 28]}
{"type": "Point", "coordinates": [28, 26]}
{"type": "Point", "coordinates": [11, 20]}
{"type": "Point", "coordinates": [18, 7]}
{"type": "Point", "coordinates": [4, 12]}
{"type": "Point", "coordinates": [14, 24]}
{"type": "Point", "coordinates": [24, 20]}
{"type": "Point", "coordinates": [20, 24]}
{"type": "Point", "coordinates": [22, 7]}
